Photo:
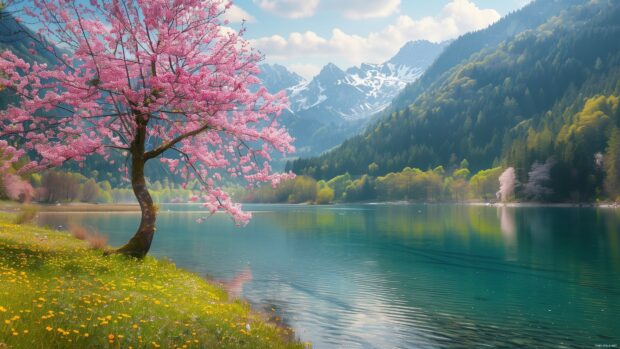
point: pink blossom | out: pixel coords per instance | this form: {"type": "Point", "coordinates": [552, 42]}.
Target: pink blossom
{"type": "Point", "coordinates": [161, 68]}
{"type": "Point", "coordinates": [16, 188]}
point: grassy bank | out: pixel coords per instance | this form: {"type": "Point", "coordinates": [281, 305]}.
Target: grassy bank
{"type": "Point", "coordinates": [8, 206]}
{"type": "Point", "coordinates": [57, 293]}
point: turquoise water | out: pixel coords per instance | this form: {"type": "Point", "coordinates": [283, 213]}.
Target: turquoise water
{"type": "Point", "coordinates": [406, 276]}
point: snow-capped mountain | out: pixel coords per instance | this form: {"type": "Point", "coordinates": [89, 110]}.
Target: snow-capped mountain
{"type": "Point", "coordinates": [356, 93]}
{"type": "Point", "coordinates": [336, 104]}
{"type": "Point", "coordinates": [360, 92]}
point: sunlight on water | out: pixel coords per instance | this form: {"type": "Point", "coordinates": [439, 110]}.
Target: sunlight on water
{"type": "Point", "coordinates": [405, 276]}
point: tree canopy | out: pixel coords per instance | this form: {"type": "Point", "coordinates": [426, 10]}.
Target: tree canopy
{"type": "Point", "coordinates": [161, 79]}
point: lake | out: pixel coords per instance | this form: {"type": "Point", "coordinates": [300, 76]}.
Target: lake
{"type": "Point", "coordinates": [405, 276]}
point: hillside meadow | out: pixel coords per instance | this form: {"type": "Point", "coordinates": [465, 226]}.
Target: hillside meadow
{"type": "Point", "coordinates": [55, 292]}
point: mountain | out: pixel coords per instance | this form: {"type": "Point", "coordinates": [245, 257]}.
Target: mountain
{"type": "Point", "coordinates": [547, 93]}
{"type": "Point", "coordinates": [360, 92]}
{"type": "Point", "coordinates": [336, 103]}
{"type": "Point", "coordinates": [419, 54]}
{"type": "Point", "coordinates": [17, 38]}
{"type": "Point", "coordinates": [528, 18]}
{"type": "Point", "coordinates": [276, 77]}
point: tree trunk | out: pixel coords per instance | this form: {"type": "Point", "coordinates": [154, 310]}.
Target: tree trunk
{"type": "Point", "coordinates": [140, 243]}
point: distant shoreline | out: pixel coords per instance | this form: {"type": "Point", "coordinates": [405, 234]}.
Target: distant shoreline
{"type": "Point", "coordinates": [125, 207]}
{"type": "Point", "coordinates": [542, 204]}
{"type": "Point", "coordinates": [74, 207]}
{"type": "Point", "coordinates": [493, 204]}
{"type": "Point", "coordinates": [84, 207]}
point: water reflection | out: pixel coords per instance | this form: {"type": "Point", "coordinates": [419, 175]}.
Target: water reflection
{"type": "Point", "coordinates": [234, 286]}
{"type": "Point", "coordinates": [507, 225]}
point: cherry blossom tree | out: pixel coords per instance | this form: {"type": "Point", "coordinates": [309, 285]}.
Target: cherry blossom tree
{"type": "Point", "coordinates": [8, 156]}
{"type": "Point", "coordinates": [152, 79]}
{"type": "Point", "coordinates": [507, 183]}
{"type": "Point", "coordinates": [11, 185]}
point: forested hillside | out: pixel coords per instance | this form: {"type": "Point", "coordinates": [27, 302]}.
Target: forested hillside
{"type": "Point", "coordinates": [546, 95]}
{"type": "Point", "coordinates": [17, 39]}
{"type": "Point", "coordinates": [530, 17]}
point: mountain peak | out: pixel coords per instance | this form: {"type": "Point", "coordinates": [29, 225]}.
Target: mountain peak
{"type": "Point", "coordinates": [331, 68]}
{"type": "Point", "coordinates": [276, 77]}
{"type": "Point", "coordinates": [331, 71]}
{"type": "Point", "coordinates": [278, 68]}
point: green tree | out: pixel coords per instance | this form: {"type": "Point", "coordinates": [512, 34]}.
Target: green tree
{"type": "Point", "coordinates": [325, 196]}
{"type": "Point", "coordinates": [360, 190]}
{"type": "Point", "coordinates": [340, 184]}
{"type": "Point", "coordinates": [612, 164]}
{"type": "Point", "coordinates": [105, 197]}
{"type": "Point", "coordinates": [373, 168]}
{"type": "Point", "coordinates": [483, 185]}
{"type": "Point", "coordinates": [304, 190]}
{"type": "Point", "coordinates": [90, 191]}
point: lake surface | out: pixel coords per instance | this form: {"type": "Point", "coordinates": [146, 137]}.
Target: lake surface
{"type": "Point", "coordinates": [405, 276]}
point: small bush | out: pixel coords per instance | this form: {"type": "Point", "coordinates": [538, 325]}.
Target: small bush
{"type": "Point", "coordinates": [79, 232]}
{"type": "Point", "coordinates": [97, 241]}
{"type": "Point", "coordinates": [325, 196]}
{"type": "Point", "coordinates": [26, 214]}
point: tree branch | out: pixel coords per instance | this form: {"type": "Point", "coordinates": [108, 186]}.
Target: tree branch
{"type": "Point", "coordinates": [167, 145]}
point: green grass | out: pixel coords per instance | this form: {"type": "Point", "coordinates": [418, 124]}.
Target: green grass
{"type": "Point", "coordinates": [57, 293]}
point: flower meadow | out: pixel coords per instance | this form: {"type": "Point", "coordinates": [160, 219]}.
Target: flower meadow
{"type": "Point", "coordinates": [55, 292]}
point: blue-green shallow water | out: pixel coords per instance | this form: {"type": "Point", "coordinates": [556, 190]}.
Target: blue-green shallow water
{"type": "Point", "coordinates": [406, 276]}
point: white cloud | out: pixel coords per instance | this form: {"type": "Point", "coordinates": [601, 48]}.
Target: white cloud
{"type": "Point", "coordinates": [236, 14]}
{"type": "Point", "coordinates": [226, 30]}
{"type": "Point", "coordinates": [456, 18]}
{"type": "Point", "coordinates": [467, 16]}
{"type": "Point", "coordinates": [522, 3]}
{"type": "Point", "coordinates": [289, 8]}
{"type": "Point", "coordinates": [307, 71]}
{"type": "Point", "coordinates": [351, 9]}
{"type": "Point", "coordinates": [362, 9]}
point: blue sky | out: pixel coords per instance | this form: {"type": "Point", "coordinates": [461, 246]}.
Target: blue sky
{"type": "Point", "coordinates": [304, 35]}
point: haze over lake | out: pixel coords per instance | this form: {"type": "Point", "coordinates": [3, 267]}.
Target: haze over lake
{"type": "Point", "coordinates": [403, 276]}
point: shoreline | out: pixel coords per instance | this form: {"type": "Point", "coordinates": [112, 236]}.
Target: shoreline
{"type": "Point", "coordinates": [84, 207]}
{"type": "Point", "coordinates": [482, 203]}
{"type": "Point", "coordinates": [13, 207]}
{"type": "Point", "coordinates": [72, 207]}
{"type": "Point", "coordinates": [542, 204]}
{"type": "Point", "coordinates": [207, 310]}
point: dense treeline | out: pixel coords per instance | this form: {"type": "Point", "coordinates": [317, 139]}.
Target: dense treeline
{"type": "Point", "coordinates": [53, 187]}
{"type": "Point", "coordinates": [302, 189]}
{"type": "Point", "coordinates": [410, 184]}
{"type": "Point", "coordinates": [545, 97]}
{"type": "Point", "coordinates": [529, 17]}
